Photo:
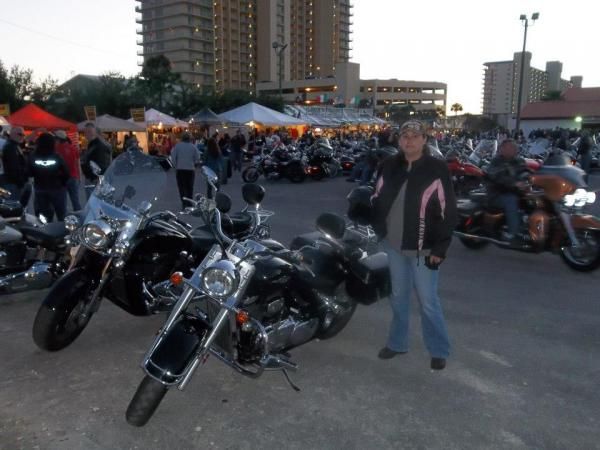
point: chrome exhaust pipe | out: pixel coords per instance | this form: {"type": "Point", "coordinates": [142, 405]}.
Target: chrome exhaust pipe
{"type": "Point", "coordinates": [480, 238]}
{"type": "Point", "coordinates": [38, 276]}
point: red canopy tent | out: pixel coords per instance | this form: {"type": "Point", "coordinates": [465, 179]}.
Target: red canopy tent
{"type": "Point", "coordinates": [31, 117]}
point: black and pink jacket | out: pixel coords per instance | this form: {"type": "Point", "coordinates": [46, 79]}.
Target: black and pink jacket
{"type": "Point", "coordinates": [430, 206]}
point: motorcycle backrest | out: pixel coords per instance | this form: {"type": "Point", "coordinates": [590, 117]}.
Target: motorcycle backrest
{"type": "Point", "coordinates": [253, 193]}
{"type": "Point", "coordinates": [359, 205]}
{"type": "Point", "coordinates": [223, 202]}
{"type": "Point", "coordinates": [331, 225]}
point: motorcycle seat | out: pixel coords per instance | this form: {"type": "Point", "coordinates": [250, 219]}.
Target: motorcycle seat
{"type": "Point", "coordinates": [51, 235]}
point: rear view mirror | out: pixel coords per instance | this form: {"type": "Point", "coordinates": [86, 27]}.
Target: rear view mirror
{"type": "Point", "coordinates": [223, 202]}
{"type": "Point", "coordinates": [210, 175]}
{"type": "Point", "coordinates": [96, 170]}
{"type": "Point", "coordinates": [331, 225]}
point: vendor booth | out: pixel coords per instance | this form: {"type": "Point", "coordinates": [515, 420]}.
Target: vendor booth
{"type": "Point", "coordinates": [115, 130]}
{"type": "Point", "coordinates": [261, 117]}
{"type": "Point", "coordinates": [163, 131]}
{"type": "Point", "coordinates": [34, 120]}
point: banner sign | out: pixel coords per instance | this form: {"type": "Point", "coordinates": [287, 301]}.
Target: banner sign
{"type": "Point", "coordinates": [4, 109]}
{"type": "Point", "coordinates": [138, 114]}
{"type": "Point", "coordinates": [90, 112]}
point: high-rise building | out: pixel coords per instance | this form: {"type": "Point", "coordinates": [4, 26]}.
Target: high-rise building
{"type": "Point", "coordinates": [229, 44]}
{"type": "Point", "coordinates": [501, 85]}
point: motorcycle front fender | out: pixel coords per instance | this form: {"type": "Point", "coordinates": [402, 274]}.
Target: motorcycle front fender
{"type": "Point", "coordinates": [585, 222]}
{"type": "Point", "coordinates": [176, 349]}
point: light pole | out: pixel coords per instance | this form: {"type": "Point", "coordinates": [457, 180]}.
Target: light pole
{"type": "Point", "coordinates": [279, 48]}
{"type": "Point", "coordinates": [525, 20]}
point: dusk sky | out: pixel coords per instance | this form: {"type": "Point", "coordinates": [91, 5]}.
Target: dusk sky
{"type": "Point", "coordinates": [432, 40]}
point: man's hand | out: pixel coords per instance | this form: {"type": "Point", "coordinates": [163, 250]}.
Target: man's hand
{"type": "Point", "coordinates": [435, 259]}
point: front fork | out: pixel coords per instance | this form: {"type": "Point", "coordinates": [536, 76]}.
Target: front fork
{"type": "Point", "coordinates": [566, 221]}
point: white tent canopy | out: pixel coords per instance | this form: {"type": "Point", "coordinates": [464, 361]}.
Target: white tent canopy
{"type": "Point", "coordinates": [155, 117]}
{"type": "Point", "coordinates": [3, 121]}
{"type": "Point", "coordinates": [108, 123]}
{"type": "Point", "coordinates": [253, 112]}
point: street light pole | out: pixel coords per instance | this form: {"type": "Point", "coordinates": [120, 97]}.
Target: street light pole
{"type": "Point", "coordinates": [525, 20]}
{"type": "Point", "coordinates": [279, 48]}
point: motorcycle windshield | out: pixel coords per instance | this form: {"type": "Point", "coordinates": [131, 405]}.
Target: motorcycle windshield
{"type": "Point", "coordinates": [132, 179]}
{"type": "Point", "coordinates": [485, 150]}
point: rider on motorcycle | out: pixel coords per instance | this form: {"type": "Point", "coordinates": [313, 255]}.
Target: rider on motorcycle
{"type": "Point", "coordinates": [505, 187]}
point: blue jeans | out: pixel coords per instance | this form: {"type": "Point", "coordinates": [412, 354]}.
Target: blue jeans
{"type": "Point", "coordinates": [510, 204]}
{"type": "Point", "coordinates": [73, 191]}
{"type": "Point", "coordinates": [408, 272]}
{"type": "Point", "coordinates": [48, 202]}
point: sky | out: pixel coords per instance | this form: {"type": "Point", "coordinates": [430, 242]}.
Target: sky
{"type": "Point", "coordinates": [426, 40]}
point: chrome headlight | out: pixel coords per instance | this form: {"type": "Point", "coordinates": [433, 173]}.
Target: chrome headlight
{"type": "Point", "coordinates": [96, 234]}
{"type": "Point", "coordinates": [579, 198]}
{"type": "Point", "coordinates": [220, 279]}
{"type": "Point", "coordinates": [71, 223]}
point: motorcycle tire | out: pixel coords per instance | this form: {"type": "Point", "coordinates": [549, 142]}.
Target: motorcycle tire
{"type": "Point", "coordinates": [334, 170]}
{"type": "Point", "coordinates": [296, 174]}
{"type": "Point", "coordinates": [590, 261]}
{"type": "Point", "coordinates": [58, 321]}
{"type": "Point", "coordinates": [318, 175]}
{"type": "Point", "coordinates": [340, 322]}
{"type": "Point", "coordinates": [148, 396]}
{"type": "Point", "coordinates": [250, 175]}
{"type": "Point", "coordinates": [473, 244]}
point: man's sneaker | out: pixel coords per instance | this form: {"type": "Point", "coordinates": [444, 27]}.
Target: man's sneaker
{"type": "Point", "coordinates": [438, 363]}
{"type": "Point", "coordinates": [386, 353]}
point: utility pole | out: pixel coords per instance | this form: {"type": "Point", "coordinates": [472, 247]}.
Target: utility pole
{"type": "Point", "coordinates": [525, 21]}
{"type": "Point", "coordinates": [279, 48]}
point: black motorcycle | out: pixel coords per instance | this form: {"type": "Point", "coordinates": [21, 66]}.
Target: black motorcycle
{"type": "Point", "coordinates": [32, 253]}
{"type": "Point", "coordinates": [249, 303]}
{"type": "Point", "coordinates": [274, 168]}
{"type": "Point", "coordinates": [124, 252]}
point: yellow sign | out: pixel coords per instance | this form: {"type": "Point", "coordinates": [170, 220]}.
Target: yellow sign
{"type": "Point", "coordinates": [4, 109]}
{"type": "Point", "coordinates": [138, 114]}
{"type": "Point", "coordinates": [90, 112]}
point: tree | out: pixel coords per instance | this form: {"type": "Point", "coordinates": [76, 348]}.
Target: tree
{"type": "Point", "coordinates": [157, 79]}
{"type": "Point", "coordinates": [552, 96]}
{"type": "Point", "coordinates": [456, 108]}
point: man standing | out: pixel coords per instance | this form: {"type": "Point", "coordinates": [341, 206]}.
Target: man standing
{"type": "Point", "coordinates": [185, 157]}
{"type": "Point", "coordinates": [98, 152]}
{"type": "Point", "coordinates": [414, 213]}
{"type": "Point", "coordinates": [15, 164]}
{"type": "Point", "coordinates": [237, 144]}
{"type": "Point", "coordinates": [70, 154]}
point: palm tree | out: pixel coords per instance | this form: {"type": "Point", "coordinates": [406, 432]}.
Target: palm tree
{"type": "Point", "coordinates": [456, 108]}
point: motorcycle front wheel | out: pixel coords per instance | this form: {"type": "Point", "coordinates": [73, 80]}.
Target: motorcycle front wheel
{"type": "Point", "coordinates": [250, 175]}
{"type": "Point", "coordinates": [59, 321]}
{"type": "Point", "coordinates": [296, 174]}
{"type": "Point", "coordinates": [148, 396]}
{"type": "Point", "coordinates": [586, 257]}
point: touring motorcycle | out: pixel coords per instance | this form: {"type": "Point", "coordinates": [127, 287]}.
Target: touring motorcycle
{"type": "Point", "coordinates": [249, 304]}
{"type": "Point", "coordinates": [553, 218]}
{"type": "Point", "coordinates": [124, 252]}
{"type": "Point", "coordinates": [32, 252]}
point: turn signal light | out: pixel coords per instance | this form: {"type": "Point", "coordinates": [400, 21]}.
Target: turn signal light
{"type": "Point", "coordinates": [176, 278]}
{"type": "Point", "coordinates": [242, 317]}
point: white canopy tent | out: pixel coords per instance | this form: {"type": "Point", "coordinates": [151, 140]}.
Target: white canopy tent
{"type": "Point", "coordinates": [156, 118]}
{"type": "Point", "coordinates": [253, 113]}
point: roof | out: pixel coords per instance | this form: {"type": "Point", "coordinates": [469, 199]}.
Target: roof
{"type": "Point", "coordinates": [584, 102]}
{"type": "Point", "coordinates": [253, 112]}
{"type": "Point", "coordinates": [108, 123]}
{"type": "Point", "coordinates": [32, 116]}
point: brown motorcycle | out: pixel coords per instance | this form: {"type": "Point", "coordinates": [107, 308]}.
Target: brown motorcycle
{"type": "Point", "coordinates": [553, 218]}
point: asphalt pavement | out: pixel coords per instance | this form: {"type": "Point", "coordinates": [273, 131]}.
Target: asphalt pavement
{"type": "Point", "coordinates": [523, 373]}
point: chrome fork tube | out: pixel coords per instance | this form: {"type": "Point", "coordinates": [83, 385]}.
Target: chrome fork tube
{"type": "Point", "coordinates": [566, 220]}
{"type": "Point", "coordinates": [217, 324]}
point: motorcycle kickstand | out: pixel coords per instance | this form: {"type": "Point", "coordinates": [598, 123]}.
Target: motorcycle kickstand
{"type": "Point", "coordinates": [289, 380]}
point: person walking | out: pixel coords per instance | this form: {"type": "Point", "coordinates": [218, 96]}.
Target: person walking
{"type": "Point", "coordinates": [213, 159]}
{"type": "Point", "coordinates": [15, 167]}
{"type": "Point", "coordinates": [414, 214]}
{"type": "Point", "coordinates": [98, 152]}
{"type": "Point", "coordinates": [70, 154]}
{"type": "Point", "coordinates": [584, 151]}
{"type": "Point", "coordinates": [238, 142]}
{"type": "Point", "coordinates": [50, 177]}
{"type": "Point", "coordinates": [185, 158]}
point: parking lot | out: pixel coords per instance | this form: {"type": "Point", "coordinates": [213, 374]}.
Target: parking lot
{"type": "Point", "coordinates": [523, 373]}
